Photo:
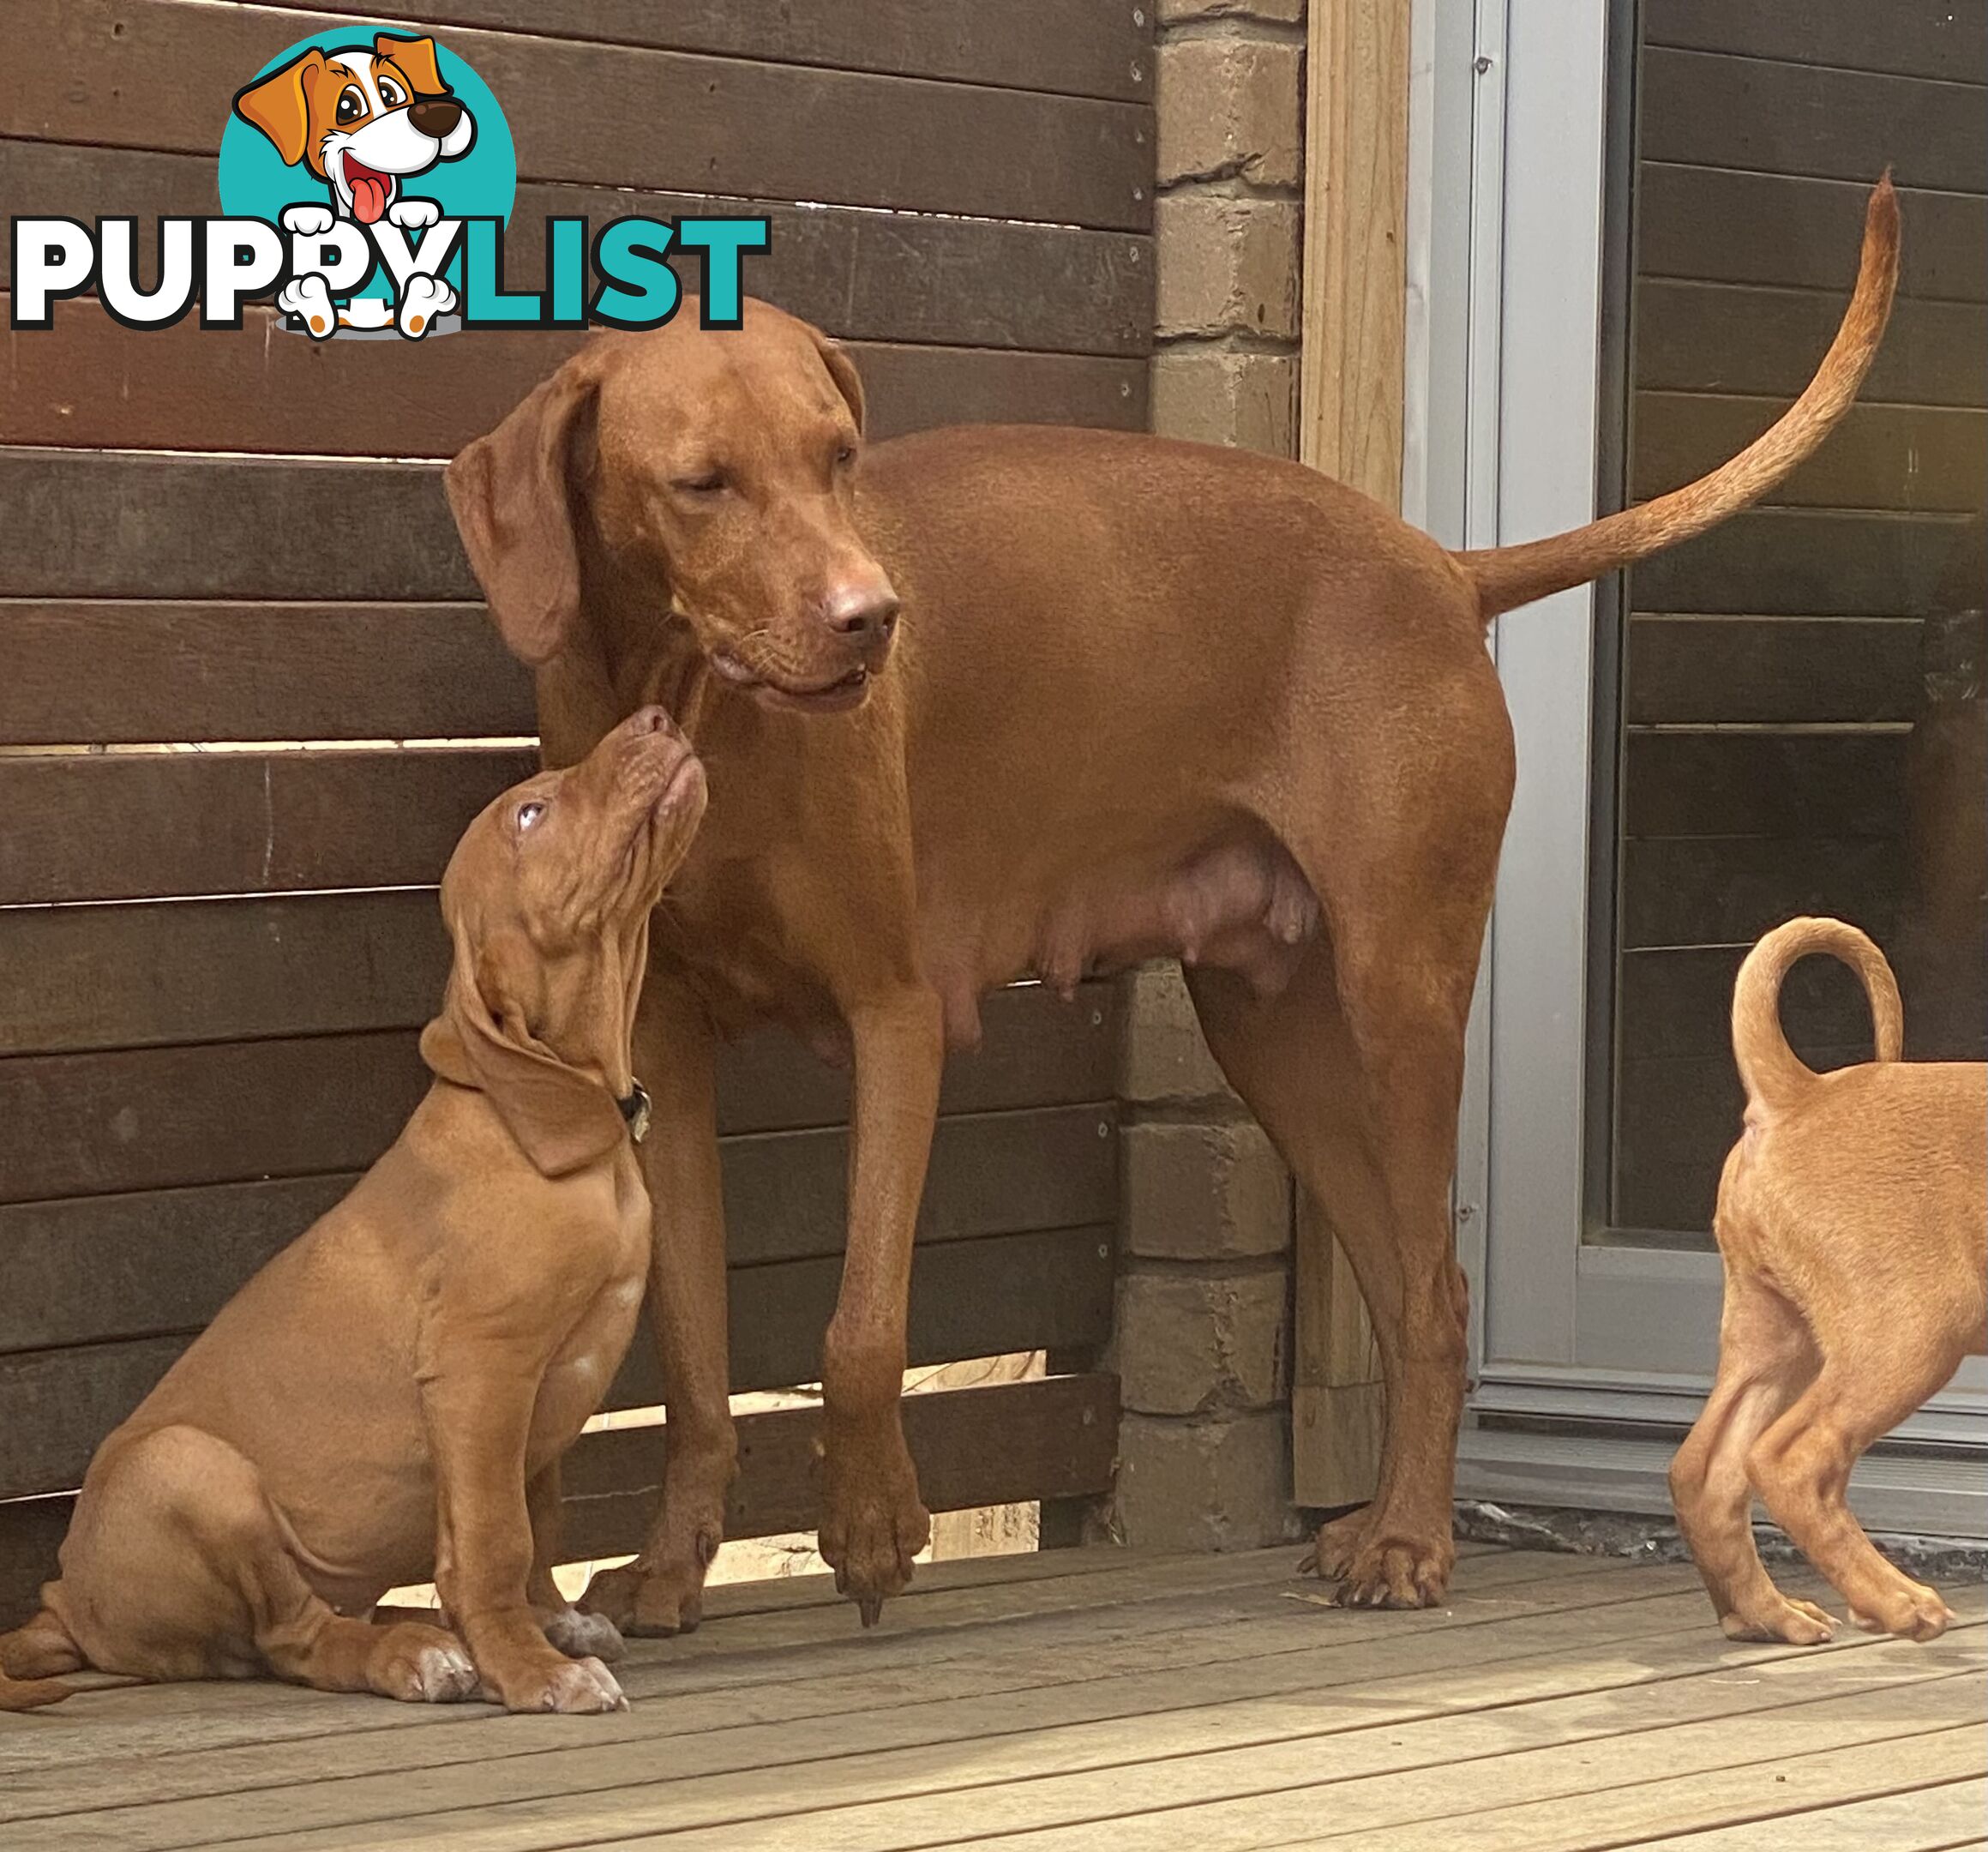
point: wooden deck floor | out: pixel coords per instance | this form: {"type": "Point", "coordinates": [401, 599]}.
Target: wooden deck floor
{"type": "Point", "coordinates": [1087, 1699]}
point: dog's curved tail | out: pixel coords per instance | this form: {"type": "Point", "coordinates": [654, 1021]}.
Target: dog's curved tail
{"type": "Point", "coordinates": [1509, 576]}
{"type": "Point", "coordinates": [1773, 1074]}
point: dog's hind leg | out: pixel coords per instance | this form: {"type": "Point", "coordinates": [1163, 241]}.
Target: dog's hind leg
{"type": "Point", "coordinates": [178, 1567]}
{"type": "Point", "coordinates": [1766, 1359]}
{"type": "Point", "coordinates": [1801, 1465]}
{"type": "Point", "coordinates": [30, 1658]}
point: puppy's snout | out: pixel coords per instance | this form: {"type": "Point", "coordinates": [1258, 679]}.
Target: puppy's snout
{"type": "Point", "coordinates": [865, 612]}
{"type": "Point", "coordinates": [434, 115]}
{"type": "Point", "coordinates": [645, 720]}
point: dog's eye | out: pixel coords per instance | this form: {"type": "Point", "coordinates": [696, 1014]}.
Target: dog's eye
{"type": "Point", "coordinates": [529, 813]}
{"type": "Point", "coordinates": [845, 455]}
{"type": "Point", "coordinates": [391, 93]}
{"type": "Point", "coordinates": [711, 482]}
{"type": "Point", "coordinates": [351, 104]}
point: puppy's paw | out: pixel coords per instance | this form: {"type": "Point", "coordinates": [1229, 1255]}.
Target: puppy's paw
{"type": "Point", "coordinates": [422, 300]}
{"type": "Point", "coordinates": [1794, 1623]}
{"type": "Point", "coordinates": [307, 221]}
{"type": "Point", "coordinates": [571, 1686]}
{"type": "Point", "coordinates": [309, 301]}
{"type": "Point", "coordinates": [413, 215]}
{"type": "Point", "coordinates": [420, 1664]}
{"type": "Point", "coordinates": [583, 1636]}
{"type": "Point", "coordinates": [652, 1602]}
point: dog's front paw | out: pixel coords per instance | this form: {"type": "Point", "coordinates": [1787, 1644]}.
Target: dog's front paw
{"type": "Point", "coordinates": [572, 1687]}
{"type": "Point", "coordinates": [872, 1523]}
{"type": "Point", "coordinates": [583, 1636]}
{"type": "Point", "coordinates": [420, 1664]}
{"type": "Point", "coordinates": [413, 215]}
{"type": "Point", "coordinates": [307, 221]}
{"type": "Point", "coordinates": [647, 1601]}
{"type": "Point", "coordinates": [309, 301]}
{"type": "Point", "coordinates": [423, 298]}
{"type": "Point", "coordinates": [1793, 1622]}
{"type": "Point", "coordinates": [1910, 1611]}
{"type": "Point", "coordinates": [1380, 1565]}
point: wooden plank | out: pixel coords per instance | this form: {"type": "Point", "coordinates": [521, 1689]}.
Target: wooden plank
{"type": "Point", "coordinates": [1165, 1630]}
{"type": "Point", "coordinates": [1764, 782]}
{"type": "Point", "coordinates": [1706, 223]}
{"type": "Point", "coordinates": [1678, 1001]}
{"type": "Point", "coordinates": [1902, 457]}
{"type": "Point", "coordinates": [1768, 116]}
{"type": "Point", "coordinates": [1752, 339]}
{"type": "Point", "coordinates": [1003, 1444]}
{"type": "Point", "coordinates": [141, 670]}
{"type": "Point", "coordinates": [1806, 562]}
{"type": "Point", "coordinates": [968, 1299]}
{"type": "Point", "coordinates": [1912, 38]}
{"type": "Point", "coordinates": [1350, 427]}
{"type": "Point", "coordinates": [1705, 891]}
{"type": "Point", "coordinates": [88, 383]}
{"type": "Point", "coordinates": [87, 1270]}
{"type": "Point", "coordinates": [90, 827]}
{"type": "Point", "coordinates": [161, 74]}
{"type": "Point", "coordinates": [1070, 46]}
{"type": "Point", "coordinates": [1936, 1818]}
{"type": "Point", "coordinates": [106, 524]}
{"type": "Point", "coordinates": [859, 273]}
{"type": "Point", "coordinates": [1204, 1780]}
{"type": "Point", "coordinates": [1756, 670]}
{"type": "Point", "coordinates": [146, 976]}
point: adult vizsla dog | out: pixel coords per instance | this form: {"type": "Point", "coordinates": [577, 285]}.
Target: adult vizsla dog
{"type": "Point", "coordinates": [1151, 698]}
{"type": "Point", "coordinates": [1851, 1219]}
{"type": "Point", "coordinates": [390, 1396]}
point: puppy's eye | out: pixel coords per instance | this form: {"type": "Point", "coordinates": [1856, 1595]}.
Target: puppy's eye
{"type": "Point", "coordinates": [351, 104]}
{"type": "Point", "coordinates": [529, 813]}
{"type": "Point", "coordinates": [709, 482]}
{"type": "Point", "coordinates": [845, 455]}
{"type": "Point", "coordinates": [391, 93]}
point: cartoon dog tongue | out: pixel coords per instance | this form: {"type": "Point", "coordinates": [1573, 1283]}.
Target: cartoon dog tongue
{"type": "Point", "coordinates": [370, 191]}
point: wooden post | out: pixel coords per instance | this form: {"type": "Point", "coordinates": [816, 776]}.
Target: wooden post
{"type": "Point", "coordinates": [1350, 426]}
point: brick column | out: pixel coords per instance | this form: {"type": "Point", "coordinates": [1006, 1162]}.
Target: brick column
{"type": "Point", "coordinates": [1203, 1344]}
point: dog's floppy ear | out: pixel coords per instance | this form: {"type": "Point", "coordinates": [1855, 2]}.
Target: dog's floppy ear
{"type": "Point", "coordinates": [562, 1120]}
{"type": "Point", "coordinates": [510, 492]}
{"type": "Point", "coordinates": [276, 105]}
{"type": "Point", "coordinates": [842, 370]}
{"type": "Point", "coordinates": [417, 57]}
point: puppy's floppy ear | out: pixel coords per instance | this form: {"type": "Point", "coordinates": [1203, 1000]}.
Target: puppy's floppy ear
{"type": "Point", "coordinates": [510, 492]}
{"type": "Point", "coordinates": [276, 105]}
{"type": "Point", "coordinates": [417, 57]}
{"type": "Point", "coordinates": [842, 370]}
{"type": "Point", "coordinates": [561, 1119]}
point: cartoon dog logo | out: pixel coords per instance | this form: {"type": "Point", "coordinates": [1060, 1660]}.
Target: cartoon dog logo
{"type": "Point", "coordinates": [362, 120]}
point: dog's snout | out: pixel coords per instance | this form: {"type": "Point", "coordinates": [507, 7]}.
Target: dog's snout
{"type": "Point", "coordinates": [434, 115]}
{"type": "Point", "coordinates": [651, 719]}
{"type": "Point", "coordinates": [865, 614]}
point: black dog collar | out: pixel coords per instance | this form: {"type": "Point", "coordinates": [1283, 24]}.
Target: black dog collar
{"type": "Point", "coordinates": [635, 1110]}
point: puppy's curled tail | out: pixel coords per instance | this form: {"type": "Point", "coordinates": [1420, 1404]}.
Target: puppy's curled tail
{"type": "Point", "coordinates": [1506, 577]}
{"type": "Point", "coordinates": [1773, 1073]}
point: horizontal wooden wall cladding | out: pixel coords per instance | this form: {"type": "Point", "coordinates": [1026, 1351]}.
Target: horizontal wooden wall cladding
{"type": "Point", "coordinates": [1075, 46]}
{"type": "Point", "coordinates": [1704, 670]}
{"type": "Point", "coordinates": [162, 74]}
{"type": "Point", "coordinates": [1942, 38]}
{"type": "Point", "coordinates": [88, 382]}
{"type": "Point", "coordinates": [1789, 232]}
{"type": "Point", "coordinates": [886, 276]}
{"type": "Point", "coordinates": [1762, 341]}
{"type": "Point", "coordinates": [1771, 116]}
{"type": "Point", "coordinates": [1728, 890]}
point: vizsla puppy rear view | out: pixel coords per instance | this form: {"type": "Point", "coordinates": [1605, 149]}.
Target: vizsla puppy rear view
{"type": "Point", "coordinates": [1851, 1218]}
{"type": "Point", "coordinates": [389, 1398]}
{"type": "Point", "coordinates": [1146, 699]}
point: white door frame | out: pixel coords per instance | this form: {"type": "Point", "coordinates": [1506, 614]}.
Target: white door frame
{"type": "Point", "coordinates": [1506, 250]}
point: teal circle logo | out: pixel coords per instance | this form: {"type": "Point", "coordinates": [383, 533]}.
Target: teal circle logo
{"type": "Point", "coordinates": [375, 126]}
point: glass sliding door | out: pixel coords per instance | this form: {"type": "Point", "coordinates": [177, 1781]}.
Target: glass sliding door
{"type": "Point", "coordinates": [1784, 717]}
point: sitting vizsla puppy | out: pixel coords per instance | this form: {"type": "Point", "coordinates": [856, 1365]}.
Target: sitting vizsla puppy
{"type": "Point", "coordinates": [1851, 1217]}
{"type": "Point", "coordinates": [391, 1395]}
